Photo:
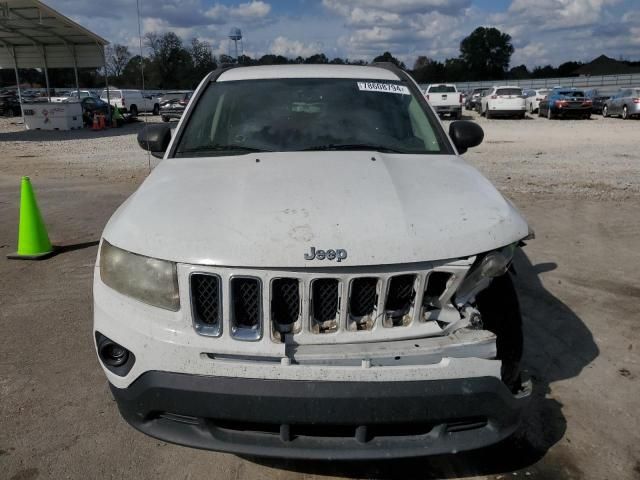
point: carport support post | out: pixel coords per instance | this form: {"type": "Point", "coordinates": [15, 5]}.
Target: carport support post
{"type": "Point", "coordinates": [106, 83]}
{"type": "Point", "coordinates": [75, 70]}
{"type": "Point", "coordinates": [15, 69]}
{"type": "Point", "coordinates": [46, 71]}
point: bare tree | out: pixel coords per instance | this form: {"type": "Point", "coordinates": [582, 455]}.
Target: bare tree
{"type": "Point", "coordinates": [117, 57]}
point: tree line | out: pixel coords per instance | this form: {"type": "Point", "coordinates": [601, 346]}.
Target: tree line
{"type": "Point", "coordinates": [171, 63]}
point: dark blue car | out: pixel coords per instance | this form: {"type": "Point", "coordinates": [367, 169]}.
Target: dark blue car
{"type": "Point", "coordinates": [565, 102]}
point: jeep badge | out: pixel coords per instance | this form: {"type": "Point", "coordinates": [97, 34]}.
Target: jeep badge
{"type": "Point", "coordinates": [337, 255]}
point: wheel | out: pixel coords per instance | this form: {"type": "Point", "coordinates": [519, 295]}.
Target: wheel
{"type": "Point", "coordinates": [531, 108]}
{"type": "Point", "coordinates": [605, 111]}
{"type": "Point", "coordinates": [156, 109]}
{"type": "Point", "coordinates": [522, 116]}
{"type": "Point", "coordinates": [165, 119]}
{"type": "Point", "coordinates": [487, 113]}
{"type": "Point", "coordinates": [549, 114]}
{"type": "Point", "coordinates": [539, 111]}
{"type": "Point", "coordinates": [625, 113]}
{"type": "Point", "coordinates": [500, 311]}
{"type": "Point", "coordinates": [133, 110]}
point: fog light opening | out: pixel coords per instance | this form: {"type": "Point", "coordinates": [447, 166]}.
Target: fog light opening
{"type": "Point", "coordinates": [113, 354]}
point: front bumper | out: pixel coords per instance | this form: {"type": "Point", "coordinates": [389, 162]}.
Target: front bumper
{"type": "Point", "coordinates": [321, 419]}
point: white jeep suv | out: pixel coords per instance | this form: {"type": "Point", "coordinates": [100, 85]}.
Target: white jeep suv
{"type": "Point", "coordinates": [313, 271]}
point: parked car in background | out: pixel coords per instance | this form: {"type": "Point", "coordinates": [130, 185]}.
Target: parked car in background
{"type": "Point", "coordinates": [91, 106]}
{"type": "Point", "coordinates": [169, 96]}
{"type": "Point", "coordinates": [173, 109]}
{"type": "Point", "coordinates": [72, 95]}
{"type": "Point", "coordinates": [445, 100]}
{"type": "Point", "coordinates": [533, 98]}
{"type": "Point", "coordinates": [565, 102]}
{"type": "Point", "coordinates": [503, 101]}
{"type": "Point", "coordinates": [625, 103]}
{"type": "Point", "coordinates": [598, 97]}
{"type": "Point", "coordinates": [9, 104]}
{"type": "Point", "coordinates": [131, 101]}
{"type": "Point", "coordinates": [473, 99]}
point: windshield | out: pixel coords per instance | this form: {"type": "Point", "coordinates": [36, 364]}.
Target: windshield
{"type": "Point", "coordinates": [509, 91]}
{"type": "Point", "coordinates": [298, 114]}
{"type": "Point", "coordinates": [442, 89]}
{"type": "Point", "coordinates": [571, 93]}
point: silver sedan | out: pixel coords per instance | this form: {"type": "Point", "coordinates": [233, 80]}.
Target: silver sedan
{"type": "Point", "coordinates": [625, 103]}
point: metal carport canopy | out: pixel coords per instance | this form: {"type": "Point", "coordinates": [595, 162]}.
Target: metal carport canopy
{"type": "Point", "coordinates": [40, 37]}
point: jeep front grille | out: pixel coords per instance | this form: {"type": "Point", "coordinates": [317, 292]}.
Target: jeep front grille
{"type": "Point", "coordinates": [342, 305]}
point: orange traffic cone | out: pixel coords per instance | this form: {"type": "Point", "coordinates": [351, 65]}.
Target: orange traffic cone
{"type": "Point", "coordinates": [95, 126]}
{"type": "Point", "coordinates": [101, 122]}
{"type": "Point", "coordinates": [33, 240]}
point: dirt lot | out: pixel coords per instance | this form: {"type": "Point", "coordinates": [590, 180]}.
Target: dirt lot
{"type": "Point", "coordinates": [577, 182]}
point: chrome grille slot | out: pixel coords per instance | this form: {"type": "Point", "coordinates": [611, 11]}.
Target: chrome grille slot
{"type": "Point", "coordinates": [206, 294]}
{"type": "Point", "coordinates": [325, 305]}
{"type": "Point", "coordinates": [437, 283]}
{"type": "Point", "coordinates": [246, 308]}
{"type": "Point", "coordinates": [285, 307]}
{"type": "Point", "coordinates": [363, 303]}
{"type": "Point", "coordinates": [401, 293]}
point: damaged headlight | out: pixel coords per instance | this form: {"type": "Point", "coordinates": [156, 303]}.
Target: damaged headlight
{"type": "Point", "coordinates": [488, 266]}
{"type": "Point", "coordinates": [149, 280]}
{"type": "Point", "coordinates": [496, 263]}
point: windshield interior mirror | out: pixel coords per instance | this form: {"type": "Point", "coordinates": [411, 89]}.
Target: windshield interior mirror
{"type": "Point", "coordinates": [465, 134]}
{"type": "Point", "coordinates": [155, 138]}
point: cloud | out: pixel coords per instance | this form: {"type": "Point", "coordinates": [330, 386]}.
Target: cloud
{"type": "Point", "coordinates": [245, 12]}
{"type": "Point", "coordinates": [292, 48]}
{"type": "Point", "coordinates": [346, 7]}
{"type": "Point", "coordinates": [554, 14]}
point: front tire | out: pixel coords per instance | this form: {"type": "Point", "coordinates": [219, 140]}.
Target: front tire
{"type": "Point", "coordinates": [156, 109]}
{"type": "Point", "coordinates": [625, 113]}
{"type": "Point", "coordinates": [487, 113]}
{"type": "Point", "coordinates": [500, 310]}
{"type": "Point", "coordinates": [133, 111]}
{"type": "Point", "coordinates": [165, 119]}
{"type": "Point", "coordinates": [605, 112]}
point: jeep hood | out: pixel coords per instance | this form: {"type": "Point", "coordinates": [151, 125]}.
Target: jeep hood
{"type": "Point", "coordinates": [269, 209]}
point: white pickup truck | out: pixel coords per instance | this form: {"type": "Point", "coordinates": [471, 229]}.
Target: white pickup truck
{"type": "Point", "coordinates": [445, 99]}
{"type": "Point", "coordinates": [132, 101]}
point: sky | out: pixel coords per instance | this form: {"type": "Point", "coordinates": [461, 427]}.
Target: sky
{"type": "Point", "coordinates": [543, 31]}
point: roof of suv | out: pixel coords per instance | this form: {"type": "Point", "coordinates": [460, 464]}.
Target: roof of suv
{"type": "Point", "coordinates": [308, 71]}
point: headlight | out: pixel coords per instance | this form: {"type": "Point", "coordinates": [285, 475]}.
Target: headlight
{"type": "Point", "coordinates": [488, 266]}
{"type": "Point", "coordinates": [496, 263]}
{"type": "Point", "coordinates": [146, 279]}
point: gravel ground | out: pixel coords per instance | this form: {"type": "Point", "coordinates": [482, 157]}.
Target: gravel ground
{"type": "Point", "coordinates": [577, 182]}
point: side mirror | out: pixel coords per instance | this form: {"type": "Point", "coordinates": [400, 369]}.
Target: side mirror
{"type": "Point", "coordinates": [465, 134]}
{"type": "Point", "coordinates": [155, 138]}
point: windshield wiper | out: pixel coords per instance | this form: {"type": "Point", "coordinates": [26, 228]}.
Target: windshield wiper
{"type": "Point", "coordinates": [354, 146]}
{"type": "Point", "coordinates": [222, 148]}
